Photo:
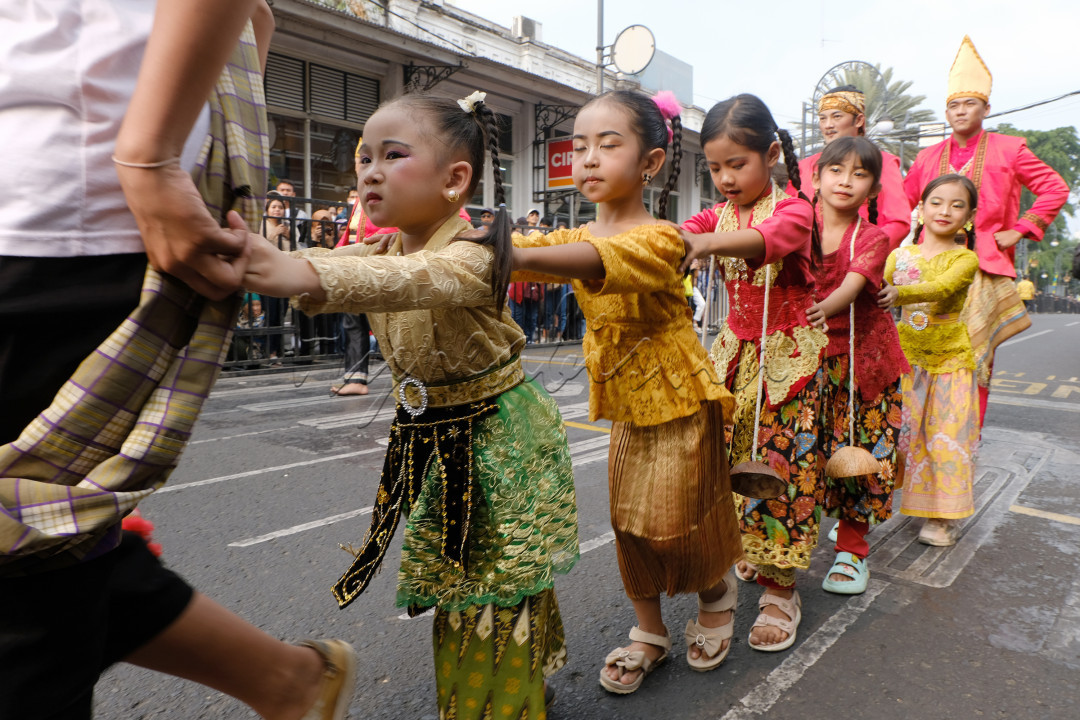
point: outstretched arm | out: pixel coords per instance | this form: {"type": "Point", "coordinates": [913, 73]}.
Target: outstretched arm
{"type": "Point", "coordinates": [744, 244]}
{"type": "Point", "coordinates": [578, 261]}
{"type": "Point", "coordinates": [176, 77]}
{"type": "Point", "coordinates": [273, 272]}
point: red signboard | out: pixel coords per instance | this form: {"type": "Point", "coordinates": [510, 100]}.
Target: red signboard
{"type": "Point", "coordinates": [560, 159]}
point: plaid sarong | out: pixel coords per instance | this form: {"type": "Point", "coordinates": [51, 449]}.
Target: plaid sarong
{"type": "Point", "coordinates": [116, 429]}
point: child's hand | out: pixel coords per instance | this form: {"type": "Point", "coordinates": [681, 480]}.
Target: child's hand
{"type": "Point", "coordinates": [272, 272]}
{"type": "Point", "coordinates": [697, 246]}
{"type": "Point", "coordinates": [816, 316]}
{"type": "Point", "coordinates": [382, 240]}
{"type": "Point", "coordinates": [887, 296]}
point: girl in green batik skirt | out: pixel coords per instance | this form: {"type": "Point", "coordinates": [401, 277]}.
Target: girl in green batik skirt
{"type": "Point", "coordinates": [477, 459]}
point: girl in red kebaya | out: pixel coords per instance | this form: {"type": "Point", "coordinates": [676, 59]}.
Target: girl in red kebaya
{"type": "Point", "coordinates": [854, 251]}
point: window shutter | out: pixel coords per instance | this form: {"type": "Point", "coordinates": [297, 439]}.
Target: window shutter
{"type": "Point", "coordinates": [284, 82]}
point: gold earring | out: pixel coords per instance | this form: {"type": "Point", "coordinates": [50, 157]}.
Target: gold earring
{"type": "Point", "coordinates": [646, 179]}
{"type": "Point", "coordinates": [968, 226]}
{"type": "Point", "coordinates": [452, 196]}
{"type": "Point", "coordinates": [919, 220]}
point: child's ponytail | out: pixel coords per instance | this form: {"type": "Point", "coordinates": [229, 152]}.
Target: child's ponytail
{"type": "Point", "coordinates": [499, 235]}
{"type": "Point", "coordinates": [676, 162]}
{"type": "Point", "coordinates": [791, 161]}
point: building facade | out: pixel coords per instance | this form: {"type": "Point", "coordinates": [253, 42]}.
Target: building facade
{"type": "Point", "coordinates": [332, 63]}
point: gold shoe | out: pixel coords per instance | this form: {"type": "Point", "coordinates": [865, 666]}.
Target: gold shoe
{"type": "Point", "coordinates": [336, 685]}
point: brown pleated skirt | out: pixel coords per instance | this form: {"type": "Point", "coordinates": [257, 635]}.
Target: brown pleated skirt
{"type": "Point", "coordinates": [671, 505]}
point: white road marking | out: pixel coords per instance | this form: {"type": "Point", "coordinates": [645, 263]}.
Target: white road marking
{"type": "Point", "coordinates": [1075, 322]}
{"type": "Point", "coordinates": [580, 446]}
{"type": "Point", "coordinates": [240, 435]}
{"type": "Point", "coordinates": [761, 699]}
{"type": "Point", "coordinates": [263, 471]}
{"type": "Point", "coordinates": [1032, 402]}
{"type": "Point", "coordinates": [1022, 338]}
{"type": "Point", "coordinates": [301, 528]}
{"type": "Point", "coordinates": [599, 541]}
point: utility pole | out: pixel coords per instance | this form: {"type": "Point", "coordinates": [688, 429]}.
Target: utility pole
{"type": "Point", "coordinates": [599, 47]}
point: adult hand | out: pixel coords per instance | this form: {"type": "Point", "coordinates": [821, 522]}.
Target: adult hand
{"type": "Point", "coordinates": [1007, 238]}
{"type": "Point", "coordinates": [887, 296]}
{"type": "Point", "coordinates": [180, 236]}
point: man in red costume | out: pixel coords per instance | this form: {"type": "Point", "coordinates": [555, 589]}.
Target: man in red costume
{"type": "Point", "coordinates": [842, 113]}
{"type": "Point", "coordinates": [999, 165]}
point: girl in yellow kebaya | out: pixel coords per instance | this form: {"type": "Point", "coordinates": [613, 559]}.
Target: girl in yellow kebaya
{"type": "Point", "coordinates": [477, 457]}
{"type": "Point", "coordinates": [671, 503]}
{"type": "Point", "coordinates": [940, 426]}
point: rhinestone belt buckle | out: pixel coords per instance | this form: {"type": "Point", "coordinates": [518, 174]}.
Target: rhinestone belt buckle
{"type": "Point", "coordinates": [918, 320]}
{"type": "Point", "coordinates": [403, 396]}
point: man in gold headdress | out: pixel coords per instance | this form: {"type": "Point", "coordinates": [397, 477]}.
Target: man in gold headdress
{"type": "Point", "coordinates": [842, 113]}
{"type": "Point", "coordinates": [999, 165]}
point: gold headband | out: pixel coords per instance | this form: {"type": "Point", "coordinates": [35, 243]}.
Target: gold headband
{"type": "Point", "coordinates": [852, 102]}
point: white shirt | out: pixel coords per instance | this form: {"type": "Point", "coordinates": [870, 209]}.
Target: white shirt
{"type": "Point", "coordinates": [67, 71]}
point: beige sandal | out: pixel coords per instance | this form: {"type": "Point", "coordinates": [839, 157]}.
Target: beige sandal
{"type": "Point", "coordinates": [751, 573]}
{"type": "Point", "coordinates": [709, 639]}
{"type": "Point", "coordinates": [634, 660]}
{"type": "Point", "coordinates": [792, 608]}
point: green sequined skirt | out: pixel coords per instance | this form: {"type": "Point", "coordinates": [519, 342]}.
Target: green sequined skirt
{"type": "Point", "coordinates": [524, 515]}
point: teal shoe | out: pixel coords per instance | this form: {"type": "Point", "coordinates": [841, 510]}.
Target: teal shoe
{"type": "Point", "coordinates": [850, 566]}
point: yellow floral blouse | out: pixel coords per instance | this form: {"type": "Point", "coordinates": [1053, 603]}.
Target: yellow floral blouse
{"type": "Point", "coordinates": [646, 365]}
{"type": "Point", "coordinates": [932, 293]}
{"type": "Point", "coordinates": [431, 310]}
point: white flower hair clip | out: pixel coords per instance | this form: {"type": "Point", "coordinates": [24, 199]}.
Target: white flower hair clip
{"type": "Point", "coordinates": [469, 103]}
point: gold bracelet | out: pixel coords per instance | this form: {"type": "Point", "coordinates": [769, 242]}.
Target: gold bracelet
{"type": "Point", "coordinates": [145, 166]}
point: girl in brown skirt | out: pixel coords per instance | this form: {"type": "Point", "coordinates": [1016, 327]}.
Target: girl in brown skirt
{"type": "Point", "coordinates": [671, 503]}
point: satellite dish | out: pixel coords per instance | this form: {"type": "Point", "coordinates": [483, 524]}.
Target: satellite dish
{"type": "Point", "coordinates": [633, 49]}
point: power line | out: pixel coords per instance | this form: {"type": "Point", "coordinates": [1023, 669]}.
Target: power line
{"type": "Point", "coordinates": [1035, 104]}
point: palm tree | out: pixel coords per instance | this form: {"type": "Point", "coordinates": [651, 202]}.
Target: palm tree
{"type": "Point", "coordinates": [886, 99]}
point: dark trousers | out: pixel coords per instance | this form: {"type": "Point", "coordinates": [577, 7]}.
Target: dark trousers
{"type": "Point", "coordinates": [61, 628]}
{"type": "Point", "coordinates": [357, 347]}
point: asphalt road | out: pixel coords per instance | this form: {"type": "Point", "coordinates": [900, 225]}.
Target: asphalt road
{"type": "Point", "coordinates": [280, 473]}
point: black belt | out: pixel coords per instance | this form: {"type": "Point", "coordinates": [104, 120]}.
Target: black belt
{"type": "Point", "coordinates": [444, 436]}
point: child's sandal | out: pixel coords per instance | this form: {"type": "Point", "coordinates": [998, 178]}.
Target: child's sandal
{"type": "Point", "coordinates": [749, 575]}
{"type": "Point", "coordinates": [633, 660]}
{"type": "Point", "coordinates": [709, 640]}
{"type": "Point", "coordinates": [791, 607]}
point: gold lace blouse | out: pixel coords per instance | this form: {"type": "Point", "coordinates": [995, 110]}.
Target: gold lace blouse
{"type": "Point", "coordinates": [646, 365]}
{"type": "Point", "coordinates": [932, 293]}
{"type": "Point", "coordinates": [431, 311]}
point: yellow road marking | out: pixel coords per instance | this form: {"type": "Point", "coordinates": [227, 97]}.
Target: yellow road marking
{"type": "Point", "coordinates": [583, 426]}
{"type": "Point", "coordinates": [1051, 377]}
{"type": "Point", "coordinates": [1057, 517]}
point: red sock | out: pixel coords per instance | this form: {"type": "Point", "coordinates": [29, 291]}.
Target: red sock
{"type": "Point", "coordinates": [851, 537]}
{"type": "Point", "coordinates": [770, 583]}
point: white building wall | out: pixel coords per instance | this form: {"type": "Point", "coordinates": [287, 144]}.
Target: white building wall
{"type": "Point", "coordinates": [517, 72]}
